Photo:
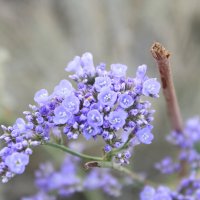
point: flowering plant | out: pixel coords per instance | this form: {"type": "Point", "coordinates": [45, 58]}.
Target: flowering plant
{"type": "Point", "coordinates": [105, 106]}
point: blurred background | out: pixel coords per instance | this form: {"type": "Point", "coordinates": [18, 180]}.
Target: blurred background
{"type": "Point", "coordinates": [38, 38]}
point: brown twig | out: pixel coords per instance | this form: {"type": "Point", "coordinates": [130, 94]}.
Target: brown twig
{"type": "Point", "coordinates": [161, 56]}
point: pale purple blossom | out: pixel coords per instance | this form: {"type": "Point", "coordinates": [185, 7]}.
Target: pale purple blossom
{"type": "Point", "coordinates": [144, 135]}
{"type": "Point", "coordinates": [151, 87]}
{"type": "Point", "coordinates": [71, 104]}
{"type": "Point", "coordinates": [41, 96]}
{"type": "Point", "coordinates": [167, 166]}
{"type": "Point", "coordinates": [125, 101]}
{"type": "Point", "coordinates": [102, 179]}
{"type": "Point", "coordinates": [118, 70]}
{"type": "Point", "coordinates": [147, 193]}
{"type": "Point", "coordinates": [94, 118]}
{"type": "Point", "coordinates": [141, 71]}
{"type": "Point", "coordinates": [87, 63]}
{"type": "Point", "coordinates": [16, 162]}
{"type": "Point", "coordinates": [63, 89]}
{"type": "Point", "coordinates": [61, 115]}
{"type": "Point", "coordinates": [20, 125]}
{"type": "Point", "coordinates": [107, 97]}
{"type": "Point", "coordinates": [90, 131]}
{"type": "Point", "coordinates": [74, 65]}
{"type": "Point", "coordinates": [101, 82]}
{"type": "Point", "coordinates": [117, 118]}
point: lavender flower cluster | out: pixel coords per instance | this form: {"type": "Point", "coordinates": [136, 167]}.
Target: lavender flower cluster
{"type": "Point", "coordinates": [105, 104]}
{"type": "Point", "coordinates": [188, 143]}
{"type": "Point", "coordinates": [52, 184]}
{"type": "Point", "coordinates": [188, 189]}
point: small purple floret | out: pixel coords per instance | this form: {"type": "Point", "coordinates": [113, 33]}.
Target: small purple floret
{"type": "Point", "coordinates": [71, 104]}
{"type": "Point", "coordinates": [41, 96]}
{"type": "Point", "coordinates": [16, 162]}
{"type": "Point", "coordinates": [61, 115]}
{"type": "Point", "coordinates": [118, 70]}
{"type": "Point", "coordinates": [125, 101]}
{"type": "Point", "coordinates": [101, 82]}
{"type": "Point", "coordinates": [117, 118]}
{"type": "Point", "coordinates": [63, 89]}
{"type": "Point", "coordinates": [94, 118]}
{"type": "Point", "coordinates": [74, 65]}
{"type": "Point", "coordinates": [107, 97]}
{"type": "Point", "coordinates": [151, 87]}
{"type": "Point", "coordinates": [141, 71]}
{"type": "Point", "coordinates": [144, 135]}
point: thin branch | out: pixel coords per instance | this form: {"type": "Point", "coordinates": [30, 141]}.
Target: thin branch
{"type": "Point", "coordinates": [74, 153]}
{"type": "Point", "coordinates": [98, 162]}
{"type": "Point", "coordinates": [114, 152]}
{"type": "Point", "coordinates": [118, 167]}
{"type": "Point", "coordinates": [161, 56]}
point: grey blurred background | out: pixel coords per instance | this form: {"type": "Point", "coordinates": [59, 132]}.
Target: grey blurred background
{"type": "Point", "coordinates": [39, 37]}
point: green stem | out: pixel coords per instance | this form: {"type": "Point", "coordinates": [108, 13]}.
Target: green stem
{"type": "Point", "coordinates": [74, 153]}
{"type": "Point", "coordinates": [99, 162]}
{"type": "Point", "coordinates": [114, 152]}
{"type": "Point", "coordinates": [118, 167]}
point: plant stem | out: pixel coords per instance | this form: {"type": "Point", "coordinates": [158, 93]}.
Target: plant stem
{"type": "Point", "coordinates": [74, 153]}
{"type": "Point", "coordinates": [118, 167]}
{"type": "Point", "coordinates": [161, 56]}
{"type": "Point", "coordinates": [114, 152]}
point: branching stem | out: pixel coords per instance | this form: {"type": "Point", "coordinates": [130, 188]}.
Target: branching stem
{"type": "Point", "coordinates": [118, 167]}
{"type": "Point", "coordinates": [99, 162]}
{"type": "Point", "coordinates": [72, 152]}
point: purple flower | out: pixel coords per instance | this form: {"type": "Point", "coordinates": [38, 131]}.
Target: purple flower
{"type": "Point", "coordinates": [16, 162]}
{"type": "Point", "coordinates": [127, 154]}
{"type": "Point", "coordinates": [55, 181]}
{"type": "Point", "coordinates": [41, 96]}
{"type": "Point", "coordinates": [94, 118]}
{"type": "Point", "coordinates": [71, 104]}
{"type": "Point", "coordinates": [90, 131]}
{"type": "Point", "coordinates": [101, 82]}
{"type": "Point", "coordinates": [148, 193]}
{"type": "Point", "coordinates": [107, 148]}
{"type": "Point", "coordinates": [151, 87]}
{"type": "Point", "coordinates": [117, 118]}
{"type": "Point", "coordinates": [61, 115]}
{"type": "Point", "coordinates": [81, 65]}
{"type": "Point", "coordinates": [141, 71]}
{"type": "Point", "coordinates": [144, 135]}
{"type": "Point", "coordinates": [74, 65]}
{"type": "Point", "coordinates": [163, 193]}
{"type": "Point", "coordinates": [63, 89]}
{"type": "Point", "coordinates": [125, 101]}
{"type": "Point", "coordinates": [167, 166]}
{"type": "Point", "coordinates": [102, 179]}
{"type": "Point", "coordinates": [107, 97]}
{"type": "Point", "coordinates": [87, 61]}
{"type": "Point", "coordinates": [118, 70]}
{"type": "Point", "coordinates": [97, 108]}
{"type": "Point", "coordinates": [20, 125]}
